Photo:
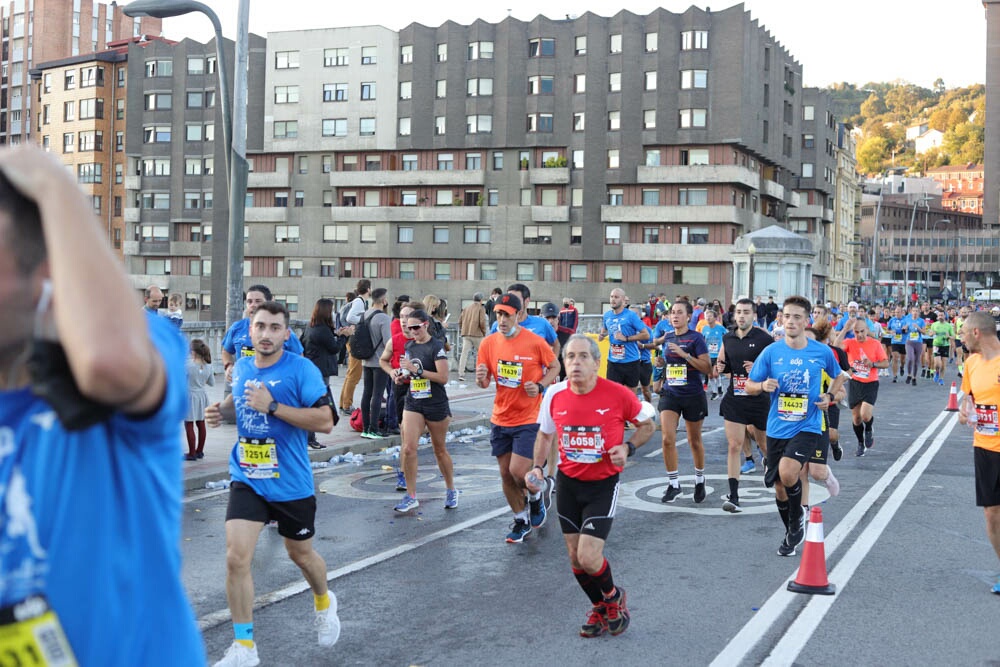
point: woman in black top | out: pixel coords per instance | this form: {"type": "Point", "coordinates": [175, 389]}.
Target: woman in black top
{"type": "Point", "coordinates": [322, 347]}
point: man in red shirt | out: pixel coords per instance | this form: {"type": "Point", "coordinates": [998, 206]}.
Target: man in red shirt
{"type": "Point", "coordinates": [865, 356]}
{"type": "Point", "coordinates": [587, 414]}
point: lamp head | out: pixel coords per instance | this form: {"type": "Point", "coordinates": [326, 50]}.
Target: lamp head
{"type": "Point", "coordinates": [161, 9]}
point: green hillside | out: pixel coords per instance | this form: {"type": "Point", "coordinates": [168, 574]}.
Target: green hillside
{"type": "Point", "coordinates": [883, 111]}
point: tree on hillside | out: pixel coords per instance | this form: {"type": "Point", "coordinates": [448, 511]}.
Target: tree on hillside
{"type": "Point", "coordinates": [964, 143]}
{"type": "Point", "coordinates": [939, 120]}
{"type": "Point", "coordinates": [939, 85]}
{"type": "Point", "coordinates": [872, 153]}
{"type": "Point", "coordinates": [873, 106]}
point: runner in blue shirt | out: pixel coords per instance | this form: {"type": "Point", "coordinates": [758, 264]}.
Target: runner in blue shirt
{"type": "Point", "coordinates": [791, 371]}
{"type": "Point", "coordinates": [624, 331]}
{"type": "Point", "coordinates": [90, 480]}
{"type": "Point", "coordinates": [713, 333]}
{"type": "Point", "coordinates": [277, 398]}
{"type": "Point", "coordinates": [237, 343]}
{"type": "Point", "coordinates": [913, 333]}
{"type": "Point", "coordinates": [684, 359]}
{"type": "Point", "coordinates": [897, 344]}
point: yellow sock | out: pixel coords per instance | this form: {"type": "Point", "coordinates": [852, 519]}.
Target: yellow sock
{"type": "Point", "coordinates": [246, 642]}
{"type": "Point", "coordinates": [322, 601]}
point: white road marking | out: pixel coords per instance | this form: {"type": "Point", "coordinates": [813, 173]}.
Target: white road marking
{"type": "Point", "coordinates": [216, 618]}
{"type": "Point", "coordinates": [802, 629]}
{"type": "Point", "coordinates": [769, 613]}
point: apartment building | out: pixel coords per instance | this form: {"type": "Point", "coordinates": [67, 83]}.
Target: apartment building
{"type": "Point", "coordinates": [845, 233]}
{"type": "Point", "coordinates": [39, 31]}
{"type": "Point", "coordinates": [961, 185]}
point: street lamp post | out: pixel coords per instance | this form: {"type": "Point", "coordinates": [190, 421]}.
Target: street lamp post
{"type": "Point", "coordinates": [751, 250]}
{"type": "Point", "coordinates": [930, 256]}
{"type": "Point", "coordinates": [232, 116]}
{"type": "Point", "coordinates": [909, 243]}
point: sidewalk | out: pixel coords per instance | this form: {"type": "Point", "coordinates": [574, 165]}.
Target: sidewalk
{"type": "Point", "coordinates": [343, 439]}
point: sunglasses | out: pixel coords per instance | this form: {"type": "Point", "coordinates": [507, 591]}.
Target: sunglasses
{"type": "Point", "coordinates": [415, 327]}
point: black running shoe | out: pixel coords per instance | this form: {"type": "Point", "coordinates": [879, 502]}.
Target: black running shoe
{"type": "Point", "coordinates": [731, 505]}
{"type": "Point", "coordinates": [597, 622]}
{"type": "Point", "coordinates": [670, 495]}
{"type": "Point", "coordinates": [616, 613]}
{"type": "Point", "coordinates": [861, 451]}
{"type": "Point", "coordinates": [838, 451]}
{"type": "Point", "coordinates": [794, 536]}
{"type": "Point", "coordinates": [784, 549]}
{"type": "Point", "coordinates": [699, 492]}
{"type": "Point", "coordinates": [869, 438]}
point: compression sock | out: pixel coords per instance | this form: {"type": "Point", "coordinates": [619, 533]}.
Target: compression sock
{"type": "Point", "coordinates": [794, 503]}
{"type": "Point", "coordinates": [605, 581]}
{"type": "Point", "coordinates": [783, 511]}
{"type": "Point", "coordinates": [322, 601]}
{"type": "Point", "coordinates": [589, 585]}
{"type": "Point", "coordinates": [243, 633]}
{"type": "Point", "coordinates": [859, 430]}
{"type": "Point", "coordinates": [868, 424]}
{"type": "Point", "coordinates": [734, 489]}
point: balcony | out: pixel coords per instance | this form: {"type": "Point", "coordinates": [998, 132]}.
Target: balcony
{"type": "Point", "coordinates": [133, 182]}
{"type": "Point", "coordinates": [700, 173]}
{"type": "Point", "coordinates": [812, 211]}
{"type": "Point", "coordinates": [414, 178]}
{"type": "Point", "coordinates": [796, 200]}
{"type": "Point", "coordinates": [407, 213]}
{"type": "Point", "coordinates": [677, 214]}
{"type": "Point", "coordinates": [677, 252]}
{"type": "Point", "coordinates": [131, 215]}
{"type": "Point", "coordinates": [549, 176]}
{"type": "Point", "coordinates": [550, 213]}
{"type": "Point", "coordinates": [266, 214]}
{"type": "Point", "coordinates": [828, 214]}
{"type": "Point", "coordinates": [185, 248]}
{"type": "Point", "coordinates": [154, 247]}
{"type": "Point", "coordinates": [130, 248]}
{"type": "Point", "coordinates": [771, 189]}
{"type": "Point", "coordinates": [268, 179]}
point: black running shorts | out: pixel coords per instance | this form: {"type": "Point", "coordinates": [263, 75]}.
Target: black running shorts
{"type": "Point", "coordinates": [693, 408]}
{"type": "Point", "coordinates": [942, 351]}
{"type": "Point", "coordinates": [745, 410]}
{"type": "Point", "coordinates": [899, 348]}
{"type": "Point", "coordinates": [431, 411]}
{"type": "Point", "coordinates": [645, 373]}
{"type": "Point", "coordinates": [861, 392]}
{"type": "Point", "coordinates": [800, 447]}
{"type": "Point", "coordinates": [625, 374]}
{"type": "Point", "coordinates": [987, 477]}
{"type": "Point", "coordinates": [296, 518]}
{"type": "Point", "coordinates": [586, 508]}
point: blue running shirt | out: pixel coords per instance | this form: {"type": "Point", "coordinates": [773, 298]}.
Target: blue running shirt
{"type": "Point", "coordinates": [237, 340]}
{"type": "Point", "coordinates": [629, 324]}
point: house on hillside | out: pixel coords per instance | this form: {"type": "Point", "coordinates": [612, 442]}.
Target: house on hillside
{"type": "Point", "coordinates": [914, 131]}
{"type": "Point", "coordinates": [927, 140]}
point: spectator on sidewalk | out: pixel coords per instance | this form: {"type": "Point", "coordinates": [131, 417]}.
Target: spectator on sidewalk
{"type": "Point", "coordinates": [566, 326]}
{"type": "Point", "coordinates": [322, 347]}
{"type": "Point", "coordinates": [375, 379]}
{"type": "Point", "coordinates": [494, 297]}
{"type": "Point", "coordinates": [175, 310]}
{"type": "Point", "coordinates": [199, 375]}
{"type": "Point", "coordinates": [153, 298]}
{"type": "Point", "coordinates": [473, 325]}
{"type": "Point", "coordinates": [340, 322]}
{"type": "Point", "coordinates": [354, 314]}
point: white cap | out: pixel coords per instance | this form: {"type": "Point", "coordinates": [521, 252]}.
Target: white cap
{"type": "Point", "coordinates": [852, 304]}
{"type": "Point", "coordinates": [996, 309]}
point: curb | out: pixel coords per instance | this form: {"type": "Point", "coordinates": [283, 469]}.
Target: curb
{"type": "Point", "coordinates": [358, 446]}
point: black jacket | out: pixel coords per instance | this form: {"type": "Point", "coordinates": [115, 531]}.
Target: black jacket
{"type": "Point", "coordinates": [322, 347]}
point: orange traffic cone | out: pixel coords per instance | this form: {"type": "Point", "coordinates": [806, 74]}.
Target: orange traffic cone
{"type": "Point", "coordinates": [812, 571]}
{"type": "Point", "coordinates": [952, 400]}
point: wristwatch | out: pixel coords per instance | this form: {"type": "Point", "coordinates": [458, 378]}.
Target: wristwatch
{"type": "Point", "coordinates": [631, 449]}
{"type": "Point", "coordinates": [272, 408]}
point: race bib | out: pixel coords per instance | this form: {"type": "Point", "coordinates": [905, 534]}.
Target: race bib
{"type": "Point", "coordinates": [582, 444]}
{"type": "Point", "coordinates": [740, 385]}
{"type": "Point", "coordinates": [861, 368]}
{"type": "Point", "coordinates": [258, 458]}
{"type": "Point", "coordinates": [713, 349]}
{"type": "Point", "coordinates": [30, 634]}
{"type": "Point", "coordinates": [792, 407]}
{"type": "Point", "coordinates": [617, 351]}
{"type": "Point", "coordinates": [897, 337]}
{"type": "Point", "coordinates": [247, 352]}
{"type": "Point", "coordinates": [914, 335]}
{"type": "Point", "coordinates": [677, 375]}
{"type": "Point", "coordinates": [986, 420]}
{"type": "Point", "coordinates": [421, 388]}
{"type": "Point", "coordinates": [509, 373]}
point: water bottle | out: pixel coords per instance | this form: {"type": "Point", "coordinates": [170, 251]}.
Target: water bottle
{"type": "Point", "coordinates": [535, 481]}
{"type": "Point", "coordinates": [336, 459]}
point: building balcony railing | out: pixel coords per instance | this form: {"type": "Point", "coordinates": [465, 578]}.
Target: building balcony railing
{"type": "Point", "coordinates": [769, 188]}
{"type": "Point", "coordinates": [700, 173]}
{"type": "Point", "coordinates": [548, 176]}
{"type": "Point", "coordinates": [131, 215]}
{"type": "Point", "coordinates": [406, 213]}
{"type": "Point", "coordinates": [266, 214]}
{"type": "Point", "coordinates": [133, 182]}
{"type": "Point", "coordinates": [677, 214]}
{"type": "Point", "coordinates": [268, 179]}
{"type": "Point", "coordinates": [414, 178]}
{"type": "Point", "coordinates": [550, 213]}
{"type": "Point", "coordinates": [812, 211]}
{"type": "Point", "coordinates": [828, 214]}
{"type": "Point", "coordinates": [677, 252]}
{"type": "Point", "coordinates": [130, 248]}
{"type": "Point", "coordinates": [154, 247]}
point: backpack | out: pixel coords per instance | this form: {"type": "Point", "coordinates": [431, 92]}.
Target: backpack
{"type": "Point", "coordinates": [362, 345]}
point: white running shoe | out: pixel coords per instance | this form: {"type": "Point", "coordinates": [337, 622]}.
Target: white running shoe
{"type": "Point", "coordinates": [328, 624]}
{"type": "Point", "coordinates": [832, 485]}
{"type": "Point", "coordinates": [238, 655]}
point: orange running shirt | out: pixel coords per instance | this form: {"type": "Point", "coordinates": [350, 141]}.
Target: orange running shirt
{"type": "Point", "coordinates": [981, 380]}
{"type": "Point", "coordinates": [862, 357]}
{"type": "Point", "coordinates": [512, 362]}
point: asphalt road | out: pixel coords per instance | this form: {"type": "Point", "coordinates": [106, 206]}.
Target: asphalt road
{"type": "Point", "coordinates": [905, 547]}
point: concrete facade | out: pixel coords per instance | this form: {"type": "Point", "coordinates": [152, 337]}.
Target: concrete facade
{"type": "Point", "coordinates": [991, 144]}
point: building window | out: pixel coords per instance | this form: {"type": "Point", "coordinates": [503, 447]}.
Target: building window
{"type": "Point", "coordinates": [576, 235]}
{"type": "Point", "coordinates": [479, 124]}
{"type": "Point", "coordinates": [157, 134]}
{"type": "Point", "coordinates": [445, 161]}
{"type": "Point", "coordinates": [334, 92]}
{"type": "Point", "coordinates": [159, 68]}
{"type": "Point", "coordinates": [328, 268]}
{"type": "Point", "coordinates": [479, 87]}
{"type": "Point", "coordinates": [286, 59]}
{"type": "Point", "coordinates": [693, 197]}
{"type": "Point", "coordinates": [404, 235]}
{"type": "Point", "coordinates": [286, 129]}
{"type": "Point", "coordinates": [543, 47]}
{"type": "Point", "coordinates": [613, 273]}
{"type": "Point", "coordinates": [541, 85]}
{"type": "Point", "coordinates": [442, 271]}
{"type": "Point", "coordinates": [439, 125]}
{"type": "Point", "coordinates": [493, 197]}
{"type": "Point", "coordinates": [612, 235]}
{"type": "Point", "coordinates": [807, 170]}
{"type": "Point", "coordinates": [91, 76]}
{"type": "Point", "coordinates": [282, 95]}
{"type": "Point", "coordinates": [613, 158]}
{"type": "Point", "coordinates": [404, 126]}
{"type": "Point", "coordinates": [300, 198]}
{"type": "Point", "coordinates": [327, 164]}
{"type": "Point", "coordinates": [615, 43]}
{"type": "Point", "coordinates": [525, 271]}
{"type": "Point", "coordinates": [808, 112]}
{"type": "Point", "coordinates": [406, 54]}
{"type": "Point", "coordinates": [477, 234]}
{"type": "Point", "coordinates": [442, 53]}
{"type": "Point", "coordinates": [579, 83]}
{"type": "Point", "coordinates": [694, 235]}
{"type": "Point", "coordinates": [577, 159]}
{"type": "Point", "coordinates": [89, 173]}
{"type": "Point", "coordinates": [366, 127]}
{"type": "Point", "coordinates": [195, 65]}
{"type": "Point", "coordinates": [91, 141]}
{"type": "Point", "coordinates": [808, 141]}
{"type": "Point", "coordinates": [650, 235]}
{"type": "Point", "coordinates": [693, 117]}
{"type": "Point", "coordinates": [694, 156]}
{"type": "Point", "coordinates": [694, 78]}
{"type": "Point", "coordinates": [335, 57]}
{"type": "Point", "coordinates": [578, 121]}
{"type": "Point", "coordinates": [651, 42]}
{"type": "Point", "coordinates": [368, 90]}
{"type": "Point", "coordinates": [440, 88]}
{"type": "Point", "coordinates": [480, 51]}
{"type": "Point", "coordinates": [650, 80]}
{"type": "Point", "coordinates": [192, 166]}
{"type": "Point", "coordinates": [405, 90]}
{"type": "Point", "coordinates": [334, 127]}
{"type": "Point", "coordinates": [473, 161]}
{"type": "Point", "coordinates": [407, 270]}
{"type": "Point", "coordinates": [334, 233]}
{"type": "Point", "coordinates": [539, 122]}
{"type": "Point", "coordinates": [694, 39]}
{"type": "Point", "coordinates": [615, 82]}
{"type": "Point", "coordinates": [614, 120]}
{"type": "Point", "coordinates": [368, 234]}
{"type": "Point", "coordinates": [537, 235]}
{"type": "Point", "coordinates": [497, 160]}
{"type": "Point", "coordinates": [280, 199]}
{"type": "Point", "coordinates": [369, 55]}
{"type": "Point", "coordinates": [195, 99]}
{"type": "Point", "coordinates": [440, 235]}
{"type": "Point", "coordinates": [193, 132]}
{"type": "Point", "coordinates": [650, 197]}
{"type": "Point", "coordinates": [156, 167]}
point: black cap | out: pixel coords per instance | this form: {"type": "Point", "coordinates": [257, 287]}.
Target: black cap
{"type": "Point", "coordinates": [509, 303]}
{"type": "Point", "coordinates": [550, 310]}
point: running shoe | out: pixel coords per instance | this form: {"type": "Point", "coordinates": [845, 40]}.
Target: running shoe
{"type": "Point", "coordinates": [327, 623]}
{"type": "Point", "coordinates": [400, 481]}
{"type": "Point", "coordinates": [869, 438]}
{"type": "Point", "coordinates": [731, 505]}
{"type": "Point", "coordinates": [670, 495]}
{"type": "Point", "coordinates": [937, 378]}
{"type": "Point", "coordinates": [913, 381]}
{"type": "Point", "coordinates": [550, 488]}
{"type": "Point", "coordinates": [238, 655]}
{"type": "Point", "coordinates": [831, 484]}
{"type": "Point", "coordinates": [346, 411]}
{"type": "Point", "coordinates": [908, 379]}
{"type": "Point", "coordinates": [748, 467]}
{"type": "Point", "coordinates": [536, 513]}
{"type": "Point", "coordinates": [616, 612]}
{"type": "Point", "coordinates": [861, 451]}
{"type": "Point", "coordinates": [597, 622]}
{"type": "Point", "coordinates": [784, 549]}
{"type": "Point", "coordinates": [450, 499]}
{"type": "Point", "coordinates": [406, 504]}
{"type": "Point", "coordinates": [838, 451]}
{"type": "Point", "coordinates": [699, 492]}
{"type": "Point", "coordinates": [518, 531]}
{"type": "Point", "coordinates": [996, 588]}
{"type": "Point", "coordinates": [894, 379]}
{"type": "Point", "coordinates": [794, 537]}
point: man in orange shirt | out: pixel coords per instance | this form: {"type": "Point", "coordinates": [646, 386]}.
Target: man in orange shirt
{"type": "Point", "coordinates": [981, 384]}
{"type": "Point", "coordinates": [865, 356]}
{"type": "Point", "coordinates": [523, 365]}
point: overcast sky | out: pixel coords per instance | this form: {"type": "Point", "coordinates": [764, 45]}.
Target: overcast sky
{"type": "Point", "coordinates": [851, 40]}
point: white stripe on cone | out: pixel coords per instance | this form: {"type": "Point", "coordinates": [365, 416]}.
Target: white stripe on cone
{"type": "Point", "coordinates": [814, 532]}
